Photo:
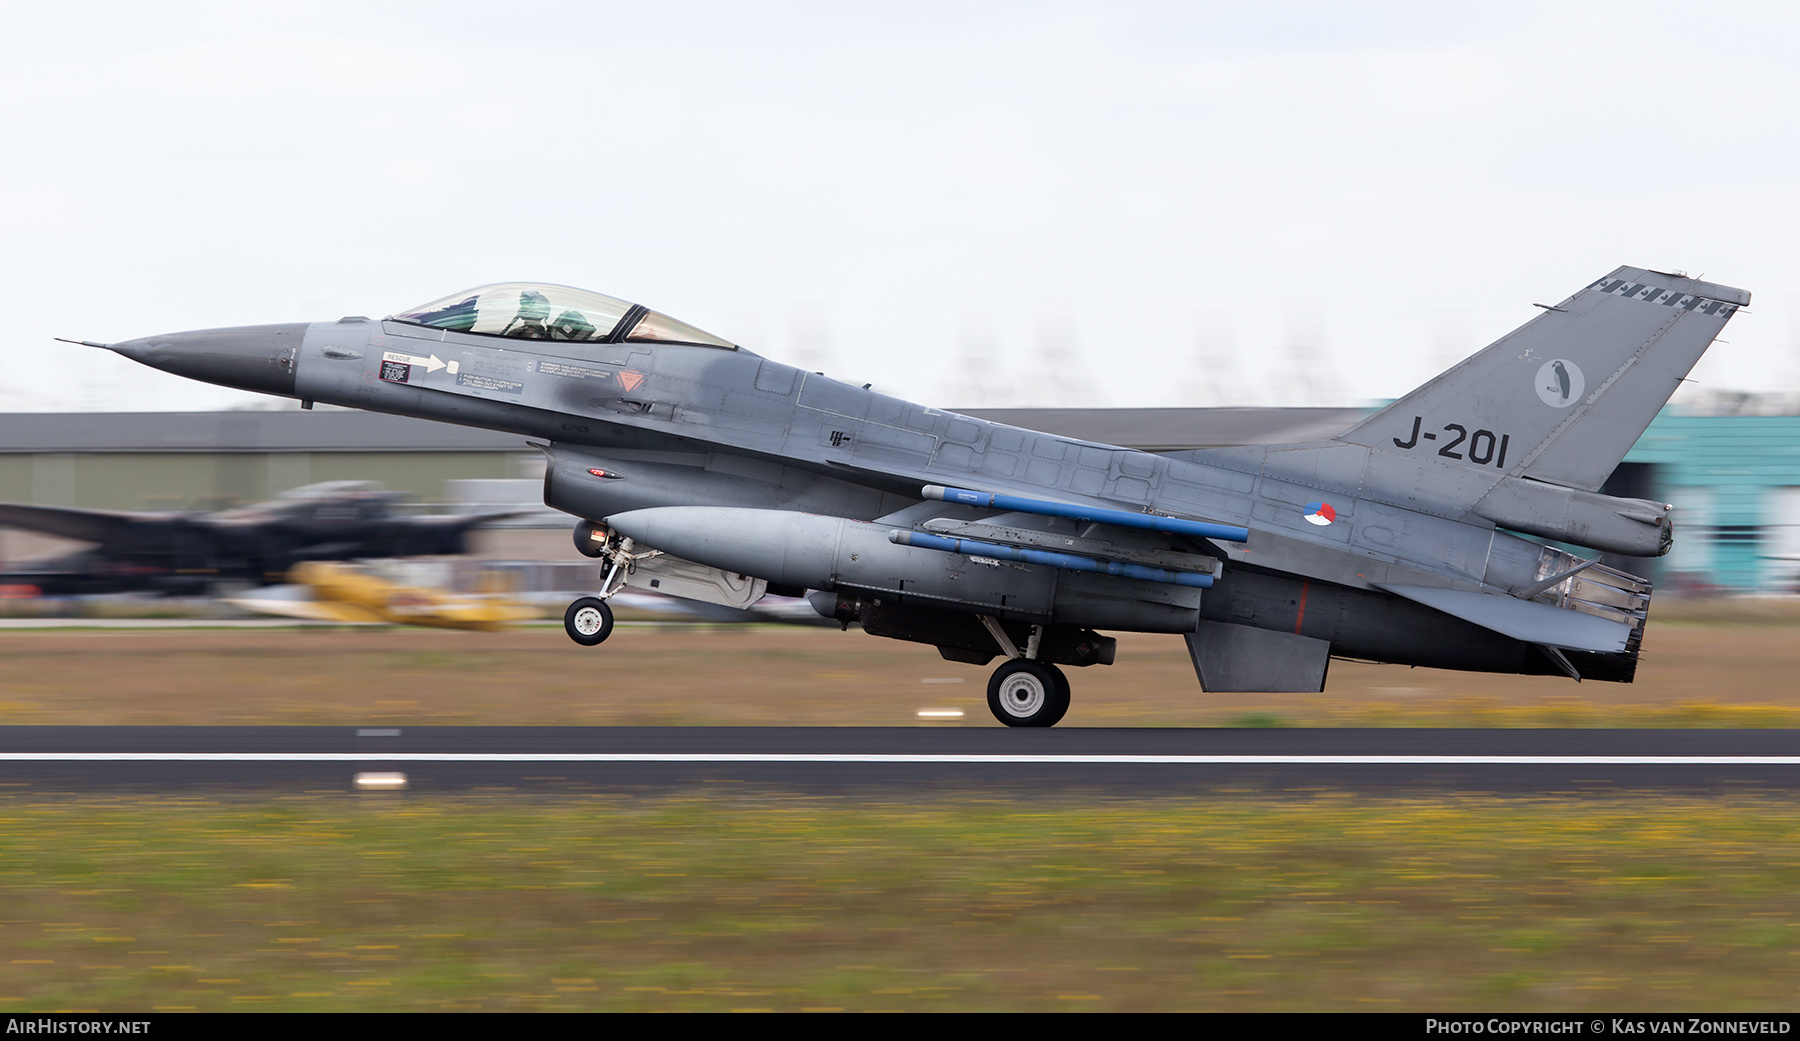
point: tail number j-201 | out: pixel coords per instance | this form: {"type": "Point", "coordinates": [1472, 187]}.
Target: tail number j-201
{"type": "Point", "coordinates": [1482, 446]}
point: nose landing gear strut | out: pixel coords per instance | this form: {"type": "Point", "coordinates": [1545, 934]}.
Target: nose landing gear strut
{"type": "Point", "coordinates": [589, 620]}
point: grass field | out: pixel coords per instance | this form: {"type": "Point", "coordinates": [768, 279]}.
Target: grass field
{"type": "Point", "coordinates": [726, 897]}
{"type": "Point", "coordinates": [1710, 665]}
{"type": "Point", "coordinates": [734, 901]}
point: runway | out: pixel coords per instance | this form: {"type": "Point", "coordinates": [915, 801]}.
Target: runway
{"type": "Point", "coordinates": [872, 760]}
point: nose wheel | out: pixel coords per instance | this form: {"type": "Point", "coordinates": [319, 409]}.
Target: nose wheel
{"type": "Point", "coordinates": [1027, 693]}
{"type": "Point", "coordinates": [588, 621]}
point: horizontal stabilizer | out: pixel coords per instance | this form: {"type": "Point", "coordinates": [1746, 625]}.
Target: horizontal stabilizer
{"type": "Point", "coordinates": [1523, 619]}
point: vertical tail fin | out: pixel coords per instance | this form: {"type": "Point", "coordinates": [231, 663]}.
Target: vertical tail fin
{"type": "Point", "coordinates": [1565, 396]}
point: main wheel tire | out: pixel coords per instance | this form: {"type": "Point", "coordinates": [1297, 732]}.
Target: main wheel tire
{"type": "Point", "coordinates": [1025, 693]}
{"type": "Point", "coordinates": [1063, 694]}
{"type": "Point", "coordinates": [588, 621]}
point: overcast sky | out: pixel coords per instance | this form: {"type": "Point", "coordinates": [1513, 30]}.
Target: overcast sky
{"type": "Point", "coordinates": [967, 204]}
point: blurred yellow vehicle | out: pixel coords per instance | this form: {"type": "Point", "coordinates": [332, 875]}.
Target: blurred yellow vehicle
{"type": "Point", "coordinates": [347, 593]}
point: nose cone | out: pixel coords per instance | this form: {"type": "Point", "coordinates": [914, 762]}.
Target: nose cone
{"type": "Point", "coordinates": [249, 357]}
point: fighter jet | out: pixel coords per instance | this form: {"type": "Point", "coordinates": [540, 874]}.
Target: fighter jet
{"type": "Point", "coordinates": [1420, 536]}
{"type": "Point", "coordinates": [189, 553]}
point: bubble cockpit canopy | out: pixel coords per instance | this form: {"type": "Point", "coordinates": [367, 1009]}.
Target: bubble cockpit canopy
{"type": "Point", "coordinates": [538, 311]}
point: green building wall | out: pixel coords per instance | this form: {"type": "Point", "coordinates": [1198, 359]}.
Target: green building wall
{"type": "Point", "coordinates": [1730, 479]}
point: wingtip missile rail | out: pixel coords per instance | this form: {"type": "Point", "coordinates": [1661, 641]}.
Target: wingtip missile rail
{"type": "Point", "coordinates": [1101, 515]}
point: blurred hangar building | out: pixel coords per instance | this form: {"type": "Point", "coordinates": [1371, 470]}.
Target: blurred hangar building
{"type": "Point", "coordinates": [1731, 466]}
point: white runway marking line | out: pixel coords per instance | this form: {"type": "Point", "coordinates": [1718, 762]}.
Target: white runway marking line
{"type": "Point", "coordinates": [1027, 758]}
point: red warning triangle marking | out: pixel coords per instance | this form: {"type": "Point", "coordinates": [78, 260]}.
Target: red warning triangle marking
{"type": "Point", "coordinates": [629, 379]}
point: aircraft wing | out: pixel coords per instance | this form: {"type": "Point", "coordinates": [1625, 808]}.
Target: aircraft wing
{"type": "Point", "coordinates": [477, 519]}
{"type": "Point", "coordinates": [439, 534]}
{"type": "Point", "coordinates": [462, 520]}
{"type": "Point", "coordinates": [87, 525]}
{"type": "Point", "coordinates": [1523, 619]}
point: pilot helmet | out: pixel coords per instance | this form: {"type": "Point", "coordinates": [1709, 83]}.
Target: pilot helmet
{"type": "Point", "coordinates": [533, 306]}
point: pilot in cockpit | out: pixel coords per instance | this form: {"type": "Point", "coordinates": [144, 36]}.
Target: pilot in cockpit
{"type": "Point", "coordinates": [523, 311]}
{"type": "Point", "coordinates": [531, 323]}
{"type": "Point", "coordinates": [571, 325]}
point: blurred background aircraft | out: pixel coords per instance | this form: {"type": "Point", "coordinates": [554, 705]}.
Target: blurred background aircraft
{"type": "Point", "coordinates": [192, 553]}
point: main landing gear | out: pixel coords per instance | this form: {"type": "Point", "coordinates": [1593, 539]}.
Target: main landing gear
{"type": "Point", "coordinates": [1026, 693]}
{"type": "Point", "coordinates": [589, 620]}
{"type": "Point", "coordinates": [1023, 691]}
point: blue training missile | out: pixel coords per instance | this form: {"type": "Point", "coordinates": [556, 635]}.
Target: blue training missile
{"type": "Point", "coordinates": [1066, 561]}
{"type": "Point", "coordinates": [1120, 518]}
